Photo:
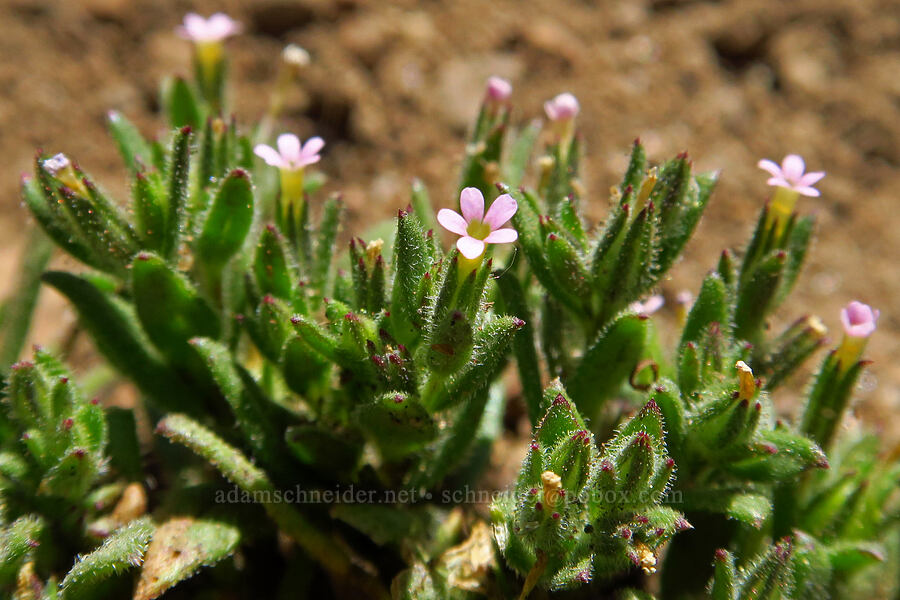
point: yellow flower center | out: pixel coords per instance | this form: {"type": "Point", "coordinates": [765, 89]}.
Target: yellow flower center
{"type": "Point", "coordinates": [478, 229]}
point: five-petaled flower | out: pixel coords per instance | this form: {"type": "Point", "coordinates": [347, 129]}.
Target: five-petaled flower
{"type": "Point", "coordinates": [859, 319]}
{"type": "Point", "coordinates": [291, 155]}
{"type": "Point", "coordinates": [477, 228]}
{"type": "Point", "coordinates": [791, 175]}
{"type": "Point", "coordinates": [214, 29]}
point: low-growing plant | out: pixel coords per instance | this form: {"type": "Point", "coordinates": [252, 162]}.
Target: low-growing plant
{"type": "Point", "coordinates": [316, 410]}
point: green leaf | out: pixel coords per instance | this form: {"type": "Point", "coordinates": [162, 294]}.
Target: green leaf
{"type": "Point", "coordinates": [398, 424]}
{"type": "Point", "coordinates": [449, 344]}
{"type": "Point", "coordinates": [561, 418]}
{"type": "Point", "coordinates": [16, 540]}
{"type": "Point", "coordinates": [72, 476]}
{"type": "Point", "coordinates": [121, 551]}
{"type": "Point", "coordinates": [710, 307]}
{"type": "Point", "coordinates": [421, 204]}
{"type": "Point", "coordinates": [608, 362]}
{"type": "Point", "coordinates": [725, 579]}
{"type": "Point", "coordinates": [176, 205]}
{"type": "Point", "coordinates": [149, 203]}
{"type": "Point", "coordinates": [756, 298]}
{"type": "Point", "coordinates": [56, 223]}
{"type": "Point", "coordinates": [170, 309]}
{"type": "Point", "coordinates": [631, 274]}
{"type": "Point", "coordinates": [677, 230]}
{"type": "Point", "coordinates": [667, 397]}
{"type": "Point", "coordinates": [110, 247]}
{"type": "Point", "coordinates": [637, 168]}
{"type": "Point", "coordinates": [569, 271]}
{"type": "Point", "coordinates": [181, 104]}
{"type": "Point", "coordinates": [386, 524]}
{"type": "Point", "coordinates": [228, 220]}
{"type": "Point", "coordinates": [260, 434]}
{"type": "Point", "coordinates": [780, 455]}
{"type": "Point", "coordinates": [19, 309]}
{"type": "Point", "coordinates": [769, 577]}
{"type": "Point", "coordinates": [303, 368]}
{"type": "Point", "coordinates": [853, 555]}
{"type": "Point", "coordinates": [180, 547]}
{"type": "Point", "coordinates": [520, 154]}
{"type": "Point", "coordinates": [136, 152]}
{"type": "Point", "coordinates": [797, 246]}
{"type": "Point", "coordinates": [331, 452]}
{"type": "Point", "coordinates": [274, 272]}
{"type": "Point", "coordinates": [492, 340]}
{"type": "Point", "coordinates": [329, 224]}
{"type": "Point", "coordinates": [237, 469]}
{"type": "Point", "coordinates": [124, 448]}
{"type": "Point", "coordinates": [752, 509]}
{"type": "Point", "coordinates": [526, 221]}
{"type": "Point", "coordinates": [524, 344]}
{"type": "Point", "coordinates": [119, 337]}
{"type": "Point", "coordinates": [411, 261]}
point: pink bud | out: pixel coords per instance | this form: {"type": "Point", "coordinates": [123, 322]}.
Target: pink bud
{"type": "Point", "coordinates": [562, 108]}
{"type": "Point", "coordinates": [859, 319]}
{"type": "Point", "coordinates": [498, 89]}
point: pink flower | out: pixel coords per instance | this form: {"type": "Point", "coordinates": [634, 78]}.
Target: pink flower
{"type": "Point", "coordinates": [56, 164]}
{"type": "Point", "coordinates": [498, 89]}
{"type": "Point", "coordinates": [790, 175]}
{"type": "Point", "coordinates": [684, 298]}
{"type": "Point", "coordinates": [476, 228]}
{"type": "Point", "coordinates": [648, 306]}
{"type": "Point", "coordinates": [214, 29]}
{"type": "Point", "coordinates": [562, 108]}
{"type": "Point", "coordinates": [291, 155]}
{"type": "Point", "coordinates": [859, 319]}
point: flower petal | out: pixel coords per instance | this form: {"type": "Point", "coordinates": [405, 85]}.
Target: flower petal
{"type": "Point", "coordinates": [811, 178]}
{"type": "Point", "coordinates": [312, 146]}
{"type": "Point", "coordinates": [502, 209]}
{"type": "Point", "coordinates": [289, 147]}
{"type": "Point", "coordinates": [792, 167]}
{"type": "Point", "coordinates": [308, 160]}
{"type": "Point", "coordinates": [550, 109]}
{"type": "Point", "coordinates": [858, 319]}
{"type": "Point", "coordinates": [220, 26]}
{"type": "Point", "coordinates": [768, 165]}
{"type": "Point", "coordinates": [269, 154]}
{"type": "Point", "coordinates": [452, 221]}
{"type": "Point", "coordinates": [807, 191]}
{"type": "Point", "coordinates": [502, 236]}
{"type": "Point", "coordinates": [471, 202]}
{"type": "Point", "coordinates": [470, 247]}
{"type": "Point", "coordinates": [779, 181]}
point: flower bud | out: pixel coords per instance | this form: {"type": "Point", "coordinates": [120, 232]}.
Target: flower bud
{"type": "Point", "coordinates": [859, 321]}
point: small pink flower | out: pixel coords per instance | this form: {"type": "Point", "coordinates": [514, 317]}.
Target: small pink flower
{"type": "Point", "coordinates": [476, 228]}
{"type": "Point", "coordinates": [859, 319]}
{"type": "Point", "coordinates": [684, 298]}
{"type": "Point", "coordinates": [291, 155]}
{"type": "Point", "coordinates": [214, 29]}
{"type": "Point", "coordinates": [648, 306]}
{"type": "Point", "coordinates": [791, 175]}
{"type": "Point", "coordinates": [498, 89]}
{"type": "Point", "coordinates": [562, 108]}
{"type": "Point", "coordinates": [56, 164]}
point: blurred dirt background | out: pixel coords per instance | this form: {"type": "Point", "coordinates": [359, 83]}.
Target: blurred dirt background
{"type": "Point", "coordinates": [394, 85]}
